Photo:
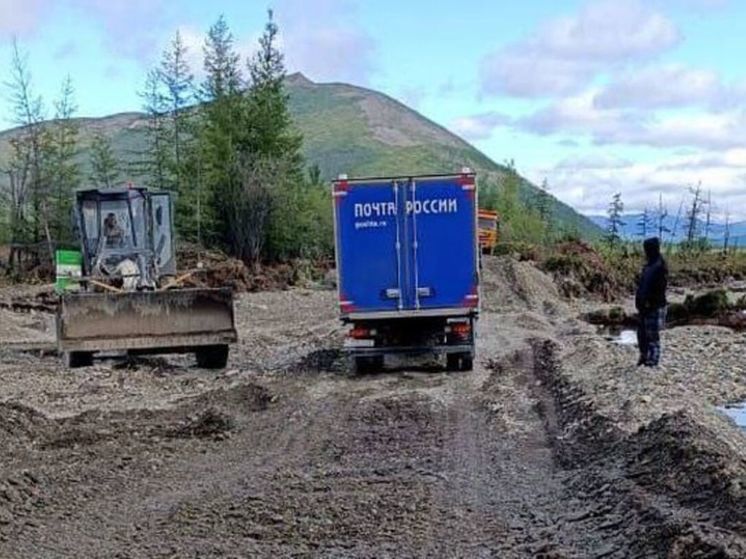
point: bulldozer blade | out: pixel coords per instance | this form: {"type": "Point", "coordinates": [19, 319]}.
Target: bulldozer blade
{"type": "Point", "coordinates": [177, 320]}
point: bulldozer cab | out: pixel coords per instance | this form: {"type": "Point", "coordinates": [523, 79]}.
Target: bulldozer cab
{"type": "Point", "coordinates": [127, 303]}
{"type": "Point", "coordinates": [126, 233]}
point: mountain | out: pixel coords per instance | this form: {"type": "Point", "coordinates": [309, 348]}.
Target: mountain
{"type": "Point", "coordinates": [352, 130]}
{"type": "Point", "coordinates": [673, 231]}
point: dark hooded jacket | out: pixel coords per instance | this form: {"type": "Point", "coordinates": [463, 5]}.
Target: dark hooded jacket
{"type": "Point", "coordinates": [651, 291]}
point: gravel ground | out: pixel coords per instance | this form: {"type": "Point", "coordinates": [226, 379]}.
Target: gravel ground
{"type": "Point", "coordinates": [554, 446]}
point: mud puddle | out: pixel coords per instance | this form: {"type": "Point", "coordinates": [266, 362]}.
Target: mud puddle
{"type": "Point", "coordinates": [618, 335]}
{"type": "Point", "coordinates": [736, 412]}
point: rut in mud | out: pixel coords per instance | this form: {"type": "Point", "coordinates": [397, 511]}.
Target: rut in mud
{"type": "Point", "coordinates": [286, 454]}
{"type": "Point", "coordinates": [411, 464]}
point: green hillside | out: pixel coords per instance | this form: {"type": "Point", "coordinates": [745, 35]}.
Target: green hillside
{"type": "Point", "coordinates": [346, 129]}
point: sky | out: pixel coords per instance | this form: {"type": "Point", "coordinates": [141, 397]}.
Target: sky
{"type": "Point", "coordinates": [642, 97]}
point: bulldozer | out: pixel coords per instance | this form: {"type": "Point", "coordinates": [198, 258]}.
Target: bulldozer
{"type": "Point", "coordinates": [119, 292]}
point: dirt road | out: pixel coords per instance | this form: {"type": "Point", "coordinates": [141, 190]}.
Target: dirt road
{"type": "Point", "coordinates": [286, 454]}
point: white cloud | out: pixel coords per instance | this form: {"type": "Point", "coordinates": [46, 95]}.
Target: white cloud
{"type": "Point", "coordinates": [413, 96]}
{"type": "Point", "coordinates": [194, 42]}
{"type": "Point", "coordinates": [588, 185]}
{"type": "Point", "coordinates": [66, 50]}
{"type": "Point", "coordinates": [20, 18]}
{"type": "Point", "coordinates": [581, 116]}
{"type": "Point", "coordinates": [593, 161]}
{"type": "Point", "coordinates": [701, 6]}
{"type": "Point", "coordinates": [564, 54]}
{"type": "Point", "coordinates": [131, 28]}
{"type": "Point", "coordinates": [708, 131]}
{"type": "Point", "coordinates": [324, 40]}
{"type": "Point", "coordinates": [480, 126]}
{"type": "Point", "coordinates": [671, 85]}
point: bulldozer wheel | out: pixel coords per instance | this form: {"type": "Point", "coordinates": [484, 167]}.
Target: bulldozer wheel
{"type": "Point", "coordinates": [75, 359]}
{"type": "Point", "coordinates": [212, 357]}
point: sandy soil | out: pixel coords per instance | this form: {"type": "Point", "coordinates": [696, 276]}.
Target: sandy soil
{"type": "Point", "coordinates": [554, 446]}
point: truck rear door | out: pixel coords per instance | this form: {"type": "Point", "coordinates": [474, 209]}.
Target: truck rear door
{"type": "Point", "coordinates": [441, 230]}
{"type": "Point", "coordinates": [368, 227]}
{"type": "Point", "coordinates": [406, 244]}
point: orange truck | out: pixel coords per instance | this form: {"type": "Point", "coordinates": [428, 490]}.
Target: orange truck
{"type": "Point", "coordinates": [489, 230]}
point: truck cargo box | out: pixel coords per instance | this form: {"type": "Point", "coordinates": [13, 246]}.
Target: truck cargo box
{"type": "Point", "coordinates": [407, 246]}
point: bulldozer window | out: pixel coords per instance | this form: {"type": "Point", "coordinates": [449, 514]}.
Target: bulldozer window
{"type": "Point", "coordinates": [115, 224]}
{"type": "Point", "coordinates": [90, 222]}
{"type": "Point", "coordinates": [162, 235]}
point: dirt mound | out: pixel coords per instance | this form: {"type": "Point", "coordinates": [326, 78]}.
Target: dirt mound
{"type": "Point", "coordinates": [509, 285]}
{"type": "Point", "coordinates": [247, 397]}
{"type": "Point", "coordinates": [208, 423]}
{"type": "Point", "coordinates": [390, 411]}
{"type": "Point", "coordinates": [27, 298]}
{"type": "Point", "coordinates": [688, 458]}
{"type": "Point", "coordinates": [20, 494]}
{"type": "Point", "coordinates": [206, 415]}
{"type": "Point", "coordinates": [579, 270]}
{"type": "Point", "coordinates": [670, 489]}
{"type": "Point", "coordinates": [19, 421]}
{"type": "Point", "coordinates": [397, 427]}
{"type": "Point", "coordinates": [213, 268]}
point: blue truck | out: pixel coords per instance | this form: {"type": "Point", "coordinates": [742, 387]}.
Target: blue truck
{"type": "Point", "coordinates": [408, 265]}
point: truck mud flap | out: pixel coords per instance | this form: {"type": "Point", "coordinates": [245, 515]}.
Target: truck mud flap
{"type": "Point", "coordinates": [145, 320]}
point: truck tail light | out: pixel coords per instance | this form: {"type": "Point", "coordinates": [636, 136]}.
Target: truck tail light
{"type": "Point", "coordinates": [361, 333]}
{"type": "Point", "coordinates": [461, 329]}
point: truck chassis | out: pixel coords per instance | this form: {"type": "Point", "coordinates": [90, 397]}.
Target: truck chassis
{"type": "Point", "coordinates": [370, 340]}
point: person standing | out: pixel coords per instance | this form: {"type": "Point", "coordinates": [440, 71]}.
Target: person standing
{"type": "Point", "coordinates": [650, 301]}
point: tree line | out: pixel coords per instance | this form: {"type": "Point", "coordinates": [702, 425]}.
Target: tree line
{"type": "Point", "coordinates": [225, 146]}
{"type": "Point", "coordinates": [689, 232]}
{"type": "Point", "coordinates": [525, 215]}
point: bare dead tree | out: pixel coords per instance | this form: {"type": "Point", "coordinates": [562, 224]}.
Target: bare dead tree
{"type": "Point", "coordinates": [694, 213]}
{"type": "Point", "coordinates": [726, 233]}
{"type": "Point", "coordinates": [661, 218]}
{"type": "Point", "coordinates": [675, 230]}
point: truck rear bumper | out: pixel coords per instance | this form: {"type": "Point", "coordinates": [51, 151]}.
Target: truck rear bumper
{"type": "Point", "coordinates": [408, 350]}
{"type": "Point", "coordinates": [422, 313]}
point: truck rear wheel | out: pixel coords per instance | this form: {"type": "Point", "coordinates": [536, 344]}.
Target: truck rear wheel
{"type": "Point", "coordinates": [368, 365]}
{"type": "Point", "coordinates": [75, 359]}
{"type": "Point", "coordinates": [212, 357]}
{"type": "Point", "coordinates": [459, 362]}
{"type": "Point", "coordinates": [453, 361]}
{"type": "Point", "coordinates": [467, 363]}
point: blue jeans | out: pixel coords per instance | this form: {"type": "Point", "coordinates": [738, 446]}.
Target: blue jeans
{"type": "Point", "coordinates": [649, 336]}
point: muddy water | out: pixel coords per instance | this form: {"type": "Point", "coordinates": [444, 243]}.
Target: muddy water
{"type": "Point", "coordinates": [736, 412]}
{"type": "Point", "coordinates": [618, 335]}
